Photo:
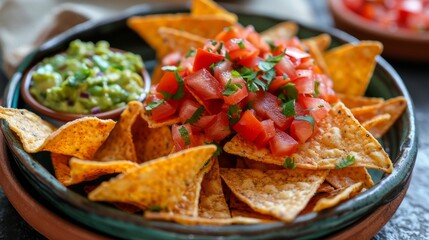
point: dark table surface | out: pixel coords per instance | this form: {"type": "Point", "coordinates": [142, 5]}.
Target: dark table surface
{"type": "Point", "coordinates": [411, 220]}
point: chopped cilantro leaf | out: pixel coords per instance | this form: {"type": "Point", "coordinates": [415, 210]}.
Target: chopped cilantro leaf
{"type": "Point", "coordinates": [185, 135]}
{"type": "Point", "coordinates": [171, 68]}
{"type": "Point", "coordinates": [289, 92]}
{"type": "Point", "coordinates": [316, 88]}
{"type": "Point", "coordinates": [218, 151]}
{"type": "Point", "coordinates": [345, 162]}
{"type": "Point", "coordinates": [271, 44]}
{"type": "Point", "coordinates": [233, 114]}
{"type": "Point", "coordinates": [289, 108]}
{"type": "Point", "coordinates": [219, 49]}
{"type": "Point", "coordinates": [190, 53]}
{"type": "Point", "coordinates": [307, 118]}
{"type": "Point", "coordinates": [180, 93]}
{"type": "Point", "coordinates": [213, 42]}
{"type": "Point", "coordinates": [289, 163]}
{"type": "Point", "coordinates": [241, 44]}
{"type": "Point", "coordinates": [270, 62]}
{"type": "Point", "coordinates": [231, 88]}
{"type": "Point", "coordinates": [154, 104]}
{"type": "Point", "coordinates": [227, 56]}
{"type": "Point", "coordinates": [269, 75]}
{"type": "Point", "coordinates": [196, 115]}
{"type": "Point", "coordinates": [235, 73]}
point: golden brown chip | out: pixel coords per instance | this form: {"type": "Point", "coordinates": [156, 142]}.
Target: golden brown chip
{"type": "Point", "coordinates": [283, 31]}
{"type": "Point", "coordinates": [157, 74]}
{"type": "Point", "coordinates": [325, 187]}
{"type": "Point", "coordinates": [188, 204]}
{"type": "Point", "coordinates": [158, 183]}
{"type": "Point", "coordinates": [119, 145]}
{"type": "Point", "coordinates": [377, 125]}
{"type": "Point", "coordinates": [341, 196]}
{"type": "Point", "coordinates": [322, 41]}
{"type": "Point", "coordinates": [210, 8]}
{"type": "Point", "coordinates": [147, 27]}
{"type": "Point", "coordinates": [279, 193]}
{"type": "Point", "coordinates": [181, 41]}
{"type": "Point", "coordinates": [187, 220]}
{"type": "Point", "coordinates": [151, 143]}
{"type": "Point", "coordinates": [80, 138]}
{"type": "Point", "coordinates": [351, 66]}
{"type": "Point", "coordinates": [339, 136]}
{"type": "Point", "coordinates": [317, 55]}
{"type": "Point", "coordinates": [30, 128]}
{"type": "Point", "coordinates": [345, 177]}
{"type": "Point", "coordinates": [358, 101]}
{"type": "Point", "coordinates": [60, 163]}
{"type": "Point", "coordinates": [212, 202]}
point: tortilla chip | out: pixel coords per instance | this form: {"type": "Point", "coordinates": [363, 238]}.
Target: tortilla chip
{"type": "Point", "coordinates": [240, 209]}
{"type": "Point", "coordinates": [212, 202]}
{"type": "Point", "coordinates": [325, 186]}
{"type": "Point", "coordinates": [181, 41]}
{"type": "Point", "coordinates": [345, 177]}
{"type": "Point", "coordinates": [394, 107]}
{"type": "Point", "coordinates": [317, 55]}
{"type": "Point", "coordinates": [376, 125]}
{"type": "Point", "coordinates": [158, 183]}
{"type": "Point", "coordinates": [147, 27]}
{"type": "Point", "coordinates": [211, 8]}
{"type": "Point", "coordinates": [279, 193]}
{"type": "Point", "coordinates": [80, 138]}
{"type": "Point", "coordinates": [187, 220]}
{"type": "Point", "coordinates": [282, 31]}
{"type": "Point", "coordinates": [322, 41]}
{"type": "Point", "coordinates": [119, 145]}
{"type": "Point", "coordinates": [351, 66]}
{"type": "Point", "coordinates": [341, 196]}
{"type": "Point", "coordinates": [358, 101]}
{"type": "Point", "coordinates": [157, 74]}
{"type": "Point", "coordinates": [188, 204]}
{"type": "Point", "coordinates": [338, 135]}
{"type": "Point", "coordinates": [60, 163]}
{"type": "Point", "coordinates": [30, 128]}
{"type": "Point", "coordinates": [151, 143]}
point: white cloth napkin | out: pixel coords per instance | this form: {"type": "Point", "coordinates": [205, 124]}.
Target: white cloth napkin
{"type": "Point", "coordinates": [25, 24]}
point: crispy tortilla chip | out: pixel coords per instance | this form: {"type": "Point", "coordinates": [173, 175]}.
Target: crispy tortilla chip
{"type": "Point", "coordinates": [332, 201]}
{"type": "Point", "coordinates": [30, 128]}
{"type": "Point", "coordinates": [325, 187]}
{"type": "Point", "coordinates": [80, 138]}
{"type": "Point", "coordinates": [376, 125]}
{"type": "Point", "coordinates": [283, 31]}
{"type": "Point", "coordinates": [322, 41]}
{"type": "Point", "coordinates": [345, 177]}
{"type": "Point", "coordinates": [157, 183]}
{"type": "Point", "coordinates": [154, 124]}
{"type": "Point", "coordinates": [339, 135]}
{"type": "Point", "coordinates": [188, 204]}
{"type": "Point", "coordinates": [279, 193]}
{"type": "Point", "coordinates": [60, 163]}
{"type": "Point", "coordinates": [394, 107]}
{"type": "Point", "coordinates": [187, 220]}
{"type": "Point", "coordinates": [147, 27]}
{"type": "Point", "coordinates": [151, 143]}
{"type": "Point", "coordinates": [358, 101]}
{"type": "Point", "coordinates": [317, 55]}
{"type": "Point", "coordinates": [119, 145]}
{"type": "Point", "coordinates": [212, 202]}
{"type": "Point", "coordinates": [181, 41]}
{"type": "Point", "coordinates": [211, 8]}
{"type": "Point", "coordinates": [351, 66]}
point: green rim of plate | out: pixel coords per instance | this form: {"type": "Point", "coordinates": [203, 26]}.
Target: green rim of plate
{"type": "Point", "coordinates": [400, 142]}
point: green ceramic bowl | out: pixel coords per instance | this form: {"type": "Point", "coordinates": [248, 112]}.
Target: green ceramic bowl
{"type": "Point", "coordinates": [400, 143]}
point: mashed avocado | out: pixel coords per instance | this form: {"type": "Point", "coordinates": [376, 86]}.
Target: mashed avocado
{"type": "Point", "coordinates": [88, 78]}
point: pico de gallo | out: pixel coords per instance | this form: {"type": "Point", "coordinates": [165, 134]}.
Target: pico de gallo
{"type": "Point", "coordinates": [270, 93]}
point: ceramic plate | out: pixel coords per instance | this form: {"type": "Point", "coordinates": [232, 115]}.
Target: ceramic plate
{"type": "Point", "coordinates": [399, 142]}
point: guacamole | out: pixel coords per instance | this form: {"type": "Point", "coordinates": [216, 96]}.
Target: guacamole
{"type": "Point", "coordinates": [88, 78]}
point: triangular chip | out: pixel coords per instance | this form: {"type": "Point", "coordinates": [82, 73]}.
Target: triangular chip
{"type": "Point", "coordinates": [345, 177]}
{"type": "Point", "coordinates": [339, 135]}
{"type": "Point", "coordinates": [157, 183]}
{"type": "Point", "coordinates": [181, 41]}
{"type": "Point", "coordinates": [157, 74]}
{"type": "Point", "coordinates": [212, 202]}
{"type": "Point", "coordinates": [211, 8]}
{"type": "Point", "coordinates": [351, 66]}
{"type": "Point", "coordinates": [30, 128]}
{"type": "Point", "coordinates": [281, 31]}
{"type": "Point", "coordinates": [187, 220]}
{"type": "Point", "coordinates": [358, 101]}
{"type": "Point", "coordinates": [279, 193]}
{"type": "Point", "coordinates": [332, 201]}
{"type": "Point", "coordinates": [151, 143]}
{"type": "Point", "coordinates": [322, 41]}
{"type": "Point", "coordinates": [377, 125]}
{"type": "Point", "coordinates": [61, 167]}
{"type": "Point", "coordinates": [119, 145]}
{"type": "Point", "coordinates": [317, 55]}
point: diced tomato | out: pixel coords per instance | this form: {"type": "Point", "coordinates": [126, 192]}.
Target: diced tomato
{"type": "Point", "coordinates": [187, 109]}
{"type": "Point", "coordinates": [239, 94]}
{"type": "Point", "coordinates": [203, 59]}
{"type": "Point", "coordinates": [318, 107]}
{"type": "Point", "coordinates": [250, 62]}
{"type": "Point", "coordinates": [267, 134]}
{"type": "Point", "coordinates": [219, 128]}
{"type": "Point", "coordinates": [249, 127]}
{"type": "Point", "coordinates": [168, 84]}
{"type": "Point", "coordinates": [266, 105]}
{"type": "Point", "coordinates": [282, 144]}
{"type": "Point", "coordinates": [301, 130]}
{"type": "Point", "coordinates": [278, 82]}
{"type": "Point", "coordinates": [205, 121]}
{"type": "Point", "coordinates": [222, 72]}
{"type": "Point", "coordinates": [296, 53]}
{"type": "Point", "coordinates": [164, 111]}
{"type": "Point", "coordinates": [255, 39]}
{"type": "Point", "coordinates": [184, 140]}
{"type": "Point", "coordinates": [239, 49]}
{"type": "Point", "coordinates": [203, 85]}
{"type": "Point", "coordinates": [285, 66]}
{"type": "Point", "coordinates": [228, 33]}
{"type": "Point", "coordinates": [304, 85]}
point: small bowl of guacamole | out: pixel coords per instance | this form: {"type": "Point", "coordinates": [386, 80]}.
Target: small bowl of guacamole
{"type": "Point", "coordinates": [86, 79]}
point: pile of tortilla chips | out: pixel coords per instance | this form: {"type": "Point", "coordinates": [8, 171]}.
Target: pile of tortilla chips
{"type": "Point", "coordinates": [248, 185]}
